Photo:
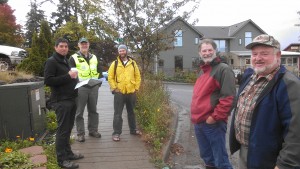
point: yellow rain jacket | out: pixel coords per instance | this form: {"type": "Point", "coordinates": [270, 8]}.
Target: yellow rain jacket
{"type": "Point", "coordinates": [125, 78]}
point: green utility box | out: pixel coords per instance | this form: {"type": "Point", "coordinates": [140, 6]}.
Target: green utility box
{"type": "Point", "coordinates": [22, 110]}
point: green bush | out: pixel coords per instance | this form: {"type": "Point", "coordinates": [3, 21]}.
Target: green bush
{"type": "Point", "coordinates": [154, 113]}
{"type": "Point", "coordinates": [15, 160]}
{"type": "Point", "coordinates": [51, 122]}
{"type": "Point", "coordinates": [183, 76]}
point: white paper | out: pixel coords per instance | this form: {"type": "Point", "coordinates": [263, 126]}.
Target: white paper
{"type": "Point", "coordinates": [82, 83]}
{"type": "Point", "coordinates": [85, 82]}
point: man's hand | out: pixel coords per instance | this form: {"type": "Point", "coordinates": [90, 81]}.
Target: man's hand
{"type": "Point", "coordinates": [210, 120]}
{"type": "Point", "coordinates": [73, 74]}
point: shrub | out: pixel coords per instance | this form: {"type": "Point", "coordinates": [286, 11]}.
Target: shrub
{"type": "Point", "coordinates": [154, 113]}
{"type": "Point", "coordinates": [51, 122]}
{"type": "Point", "coordinates": [15, 159]}
{"type": "Point", "coordinates": [183, 76]}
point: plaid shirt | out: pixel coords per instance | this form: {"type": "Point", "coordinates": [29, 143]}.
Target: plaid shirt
{"type": "Point", "coordinates": [246, 103]}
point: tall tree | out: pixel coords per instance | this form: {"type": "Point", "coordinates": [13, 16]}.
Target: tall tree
{"type": "Point", "coordinates": [38, 54]}
{"type": "Point", "coordinates": [34, 18]}
{"type": "Point", "coordinates": [90, 13]}
{"type": "Point", "coordinates": [140, 21]}
{"type": "Point", "coordinates": [46, 32]}
{"type": "Point", "coordinates": [73, 31]}
{"type": "Point", "coordinates": [94, 18]}
{"type": "Point", "coordinates": [32, 63]}
{"type": "Point", "coordinates": [10, 32]}
{"type": "Point", "coordinates": [66, 9]}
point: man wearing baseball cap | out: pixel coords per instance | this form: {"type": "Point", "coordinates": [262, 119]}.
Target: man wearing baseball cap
{"type": "Point", "coordinates": [88, 68]}
{"type": "Point", "coordinates": [265, 122]}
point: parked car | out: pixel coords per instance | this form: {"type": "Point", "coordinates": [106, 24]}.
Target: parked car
{"type": "Point", "coordinates": [10, 56]}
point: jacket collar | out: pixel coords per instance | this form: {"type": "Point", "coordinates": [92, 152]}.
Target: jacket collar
{"type": "Point", "coordinates": [214, 62]}
{"type": "Point", "coordinates": [60, 58]}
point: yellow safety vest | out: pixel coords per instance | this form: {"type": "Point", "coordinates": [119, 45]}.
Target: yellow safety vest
{"type": "Point", "coordinates": [85, 70]}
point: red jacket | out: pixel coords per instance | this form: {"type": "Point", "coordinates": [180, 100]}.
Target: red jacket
{"type": "Point", "coordinates": [213, 93]}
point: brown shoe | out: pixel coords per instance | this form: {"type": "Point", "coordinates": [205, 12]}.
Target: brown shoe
{"type": "Point", "coordinates": [95, 134]}
{"type": "Point", "coordinates": [81, 138]}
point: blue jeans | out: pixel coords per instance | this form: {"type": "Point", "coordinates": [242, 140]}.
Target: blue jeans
{"type": "Point", "coordinates": [211, 141]}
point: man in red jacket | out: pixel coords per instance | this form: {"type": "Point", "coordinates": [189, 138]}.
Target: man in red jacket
{"type": "Point", "coordinates": [212, 101]}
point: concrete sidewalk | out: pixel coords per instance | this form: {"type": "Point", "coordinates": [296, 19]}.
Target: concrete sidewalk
{"type": "Point", "coordinates": [103, 153]}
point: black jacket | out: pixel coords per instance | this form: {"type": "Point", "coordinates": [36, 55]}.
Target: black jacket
{"type": "Point", "coordinates": [57, 77]}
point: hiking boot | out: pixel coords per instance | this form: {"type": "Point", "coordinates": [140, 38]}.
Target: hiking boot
{"type": "Point", "coordinates": [81, 138]}
{"type": "Point", "coordinates": [95, 134]}
{"type": "Point", "coordinates": [75, 156]}
{"type": "Point", "coordinates": [68, 164]}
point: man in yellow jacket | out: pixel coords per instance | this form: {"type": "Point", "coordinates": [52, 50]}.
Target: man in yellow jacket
{"type": "Point", "coordinates": [124, 79]}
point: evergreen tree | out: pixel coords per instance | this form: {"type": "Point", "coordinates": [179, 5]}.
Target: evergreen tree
{"type": "Point", "coordinates": [46, 32]}
{"type": "Point", "coordinates": [34, 17]}
{"type": "Point", "coordinates": [34, 63]}
{"type": "Point", "coordinates": [66, 10]}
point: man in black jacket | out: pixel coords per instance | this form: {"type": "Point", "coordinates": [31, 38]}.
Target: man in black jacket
{"type": "Point", "coordinates": [62, 82]}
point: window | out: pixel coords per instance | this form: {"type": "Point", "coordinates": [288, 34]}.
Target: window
{"type": "Point", "coordinates": [231, 61]}
{"type": "Point", "coordinates": [178, 62]}
{"type": "Point", "coordinates": [247, 61]}
{"type": "Point", "coordinates": [221, 45]}
{"type": "Point", "coordinates": [289, 61]}
{"type": "Point", "coordinates": [161, 63]}
{"type": "Point", "coordinates": [196, 41]}
{"type": "Point", "coordinates": [195, 62]}
{"type": "Point", "coordinates": [248, 38]}
{"type": "Point", "coordinates": [240, 41]}
{"type": "Point", "coordinates": [294, 47]}
{"type": "Point", "coordinates": [283, 61]}
{"type": "Point", "coordinates": [295, 61]}
{"type": "Point", "coordinates": [178, 38]}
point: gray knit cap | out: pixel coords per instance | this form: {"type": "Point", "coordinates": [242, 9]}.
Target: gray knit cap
{"type": "Point", "coordinates": [122, 47]}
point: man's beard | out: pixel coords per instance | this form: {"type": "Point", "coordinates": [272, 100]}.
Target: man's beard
{"type": "Point", "coordinates": [123, 55]}
{"type": "Point", "coordinates": [267, 68]}
{"type": "Point", "coordinates": [210, 58]}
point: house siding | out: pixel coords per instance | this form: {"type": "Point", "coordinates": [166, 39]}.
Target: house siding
{"type": "Point", "coordinates": [188, 50]}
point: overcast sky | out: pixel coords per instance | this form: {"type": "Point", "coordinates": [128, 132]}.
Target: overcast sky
{"type": "Point", "coordinates": [275, 17]}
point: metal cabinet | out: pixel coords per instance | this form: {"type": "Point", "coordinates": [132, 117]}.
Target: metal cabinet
{"type": "Point", "coordinates": [22, 110]}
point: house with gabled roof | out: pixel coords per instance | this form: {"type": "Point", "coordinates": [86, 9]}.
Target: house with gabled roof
{"type": "Point", "coordinates": [231, 41]}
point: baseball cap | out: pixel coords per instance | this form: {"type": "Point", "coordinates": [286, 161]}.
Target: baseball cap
{"type": "Point", "coordinates": [83, 40]}
{"type": "Point", "coordinates": [264, 39]}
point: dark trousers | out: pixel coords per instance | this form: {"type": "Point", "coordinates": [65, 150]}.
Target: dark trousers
{"type": "Point", "coordinates": [65, 111]}
{"type": "Point", "coordinates": [119, 101]}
